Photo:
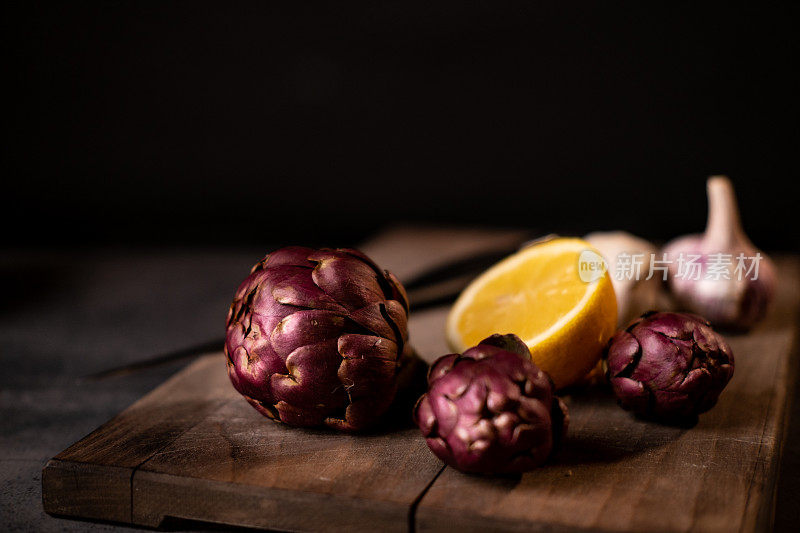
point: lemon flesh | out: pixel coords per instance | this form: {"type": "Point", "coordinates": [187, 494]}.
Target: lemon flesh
{"type": "Point", "coordinates": [538, 295]}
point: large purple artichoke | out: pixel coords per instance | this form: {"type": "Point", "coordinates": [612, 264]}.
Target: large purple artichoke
{"type": "Point", "coordinates": [315, 337]}
{"type": "Point", "coordinates": [491, 410]}
{"type": "Point", "coordinates": [669, 365]}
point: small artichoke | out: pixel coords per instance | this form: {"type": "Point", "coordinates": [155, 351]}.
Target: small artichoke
{"type": "Point", "coordinates": [668, 365]}
{"type": "Point", "coordinates": [315, 337]}
{"type": "Point", "coordinates": [491, 410]}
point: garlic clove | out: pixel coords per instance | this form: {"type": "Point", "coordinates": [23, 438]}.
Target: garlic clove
{"type": "Point", "coordinates": [636, 295]}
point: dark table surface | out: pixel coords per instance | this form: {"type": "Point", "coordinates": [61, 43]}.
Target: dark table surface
{"type": "Point", "coordinates": [67, 315]}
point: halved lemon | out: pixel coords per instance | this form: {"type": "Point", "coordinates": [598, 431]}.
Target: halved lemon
{"type": "Point", "coordinates": [539, 294]}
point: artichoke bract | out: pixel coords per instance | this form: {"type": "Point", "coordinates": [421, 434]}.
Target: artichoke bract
{"type": "Point", "coordinates": [491, 410]}
{"type": "Point", "coordinates": [315, 337]}
{"type": "Point", "coordinates": [669, 365]}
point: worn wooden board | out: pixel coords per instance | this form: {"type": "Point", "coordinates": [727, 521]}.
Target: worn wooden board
{"type": "Point", "coordinates": [92, 478]}
{"type": "Point", "coordinates": [194, 449]}
{"type": "Point", "coordinates": [167, 456]}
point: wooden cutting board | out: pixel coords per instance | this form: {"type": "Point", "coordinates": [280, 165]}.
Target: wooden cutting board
{"type": "Point", "coordinates": [193, 448]}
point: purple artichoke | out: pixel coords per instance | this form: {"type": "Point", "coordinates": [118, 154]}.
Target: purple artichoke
{"type": "Point", "coordinates": [491, 410]}
{"type": "Point", "coordinates": [315, 337]}
{"type": "Point", "coordinates": [669, 365]}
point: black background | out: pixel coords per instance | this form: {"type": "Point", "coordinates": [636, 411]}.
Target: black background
{"type": "Point", "coordinates": [250, 122]}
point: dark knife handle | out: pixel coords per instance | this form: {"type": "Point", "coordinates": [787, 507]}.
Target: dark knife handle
{"type": "Point", "coordinates": [465, 266]}
{"type": "Point", "coordinates": [439, 285]}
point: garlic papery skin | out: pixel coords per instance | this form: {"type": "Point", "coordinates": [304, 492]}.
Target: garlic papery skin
{"type": "Point", "coordinates": [635, 295]}
{"type": "Point", "coordinates": [736, 298]}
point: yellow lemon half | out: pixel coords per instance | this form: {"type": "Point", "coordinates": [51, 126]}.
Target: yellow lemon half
{"type": "Point", "coordinates": [553, 295]}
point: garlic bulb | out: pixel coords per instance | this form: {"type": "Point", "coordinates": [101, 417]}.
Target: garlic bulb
{"type": "Point", "coordinates": [720, 274]}
{"type": "Point", "coordinates": [635, 294]}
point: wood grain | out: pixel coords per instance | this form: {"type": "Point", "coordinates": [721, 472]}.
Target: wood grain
{"type": "Point", "coordinates": [286, 478]}
{"type": "Point", "coordinates": [620, 473]}
{"type": "Point", "coordinates": [194, 449]}
{"type": "Point", "coordinates": [98, 468]}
